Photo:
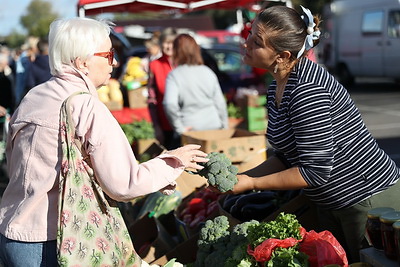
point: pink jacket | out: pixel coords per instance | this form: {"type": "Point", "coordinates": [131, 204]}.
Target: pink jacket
{"type": "Point", "coordinates": [28, 209]}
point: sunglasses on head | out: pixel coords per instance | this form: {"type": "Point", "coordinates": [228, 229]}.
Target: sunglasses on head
{"type": "Point", "coordinates": [109, 55]}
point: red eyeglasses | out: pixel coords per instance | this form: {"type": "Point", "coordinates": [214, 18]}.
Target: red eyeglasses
{"type": "Point", "coordinates": [109, 55]}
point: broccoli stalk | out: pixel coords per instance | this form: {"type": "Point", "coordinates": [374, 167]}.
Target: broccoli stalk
{"type": "Point", "coordinates": [219, 172]}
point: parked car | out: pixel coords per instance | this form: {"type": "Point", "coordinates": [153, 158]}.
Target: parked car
{"type": "Point", "coordinates": [221, 36]}
{"type": "Point", "coordinates": [229, 62]}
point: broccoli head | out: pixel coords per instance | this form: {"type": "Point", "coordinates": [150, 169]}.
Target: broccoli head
{"type": "Point", "coordinates": [214, 231]}
{"type": "Point", "coordinates": [240, 231]}
{"type": "Point", "coordinates": [213, 239]}
{"type": "Point", "coordinates": [219, 172]}
{"type": "Point", "coordinates": [238, 244]}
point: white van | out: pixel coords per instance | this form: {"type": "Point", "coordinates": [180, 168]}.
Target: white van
{"type": "Point", "coordinates": [361, 39]}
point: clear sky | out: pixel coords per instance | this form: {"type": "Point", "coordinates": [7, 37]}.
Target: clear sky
{"type": "Point", "coordinates": [12, 10]}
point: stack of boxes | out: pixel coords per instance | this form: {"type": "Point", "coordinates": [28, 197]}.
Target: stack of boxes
{"type": "Point", "coordinates": [255, 112]}
{"type": "Point", "coordinates": [244, 148]}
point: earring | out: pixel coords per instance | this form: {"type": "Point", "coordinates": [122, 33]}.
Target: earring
{"type": "Point", "coordinates": [276, 68]}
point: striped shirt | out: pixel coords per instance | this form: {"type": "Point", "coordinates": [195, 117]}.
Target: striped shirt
{"type": "Point", "coordinates": [318, 128]}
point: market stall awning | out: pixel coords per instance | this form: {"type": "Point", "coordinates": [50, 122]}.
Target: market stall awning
{"type": "Point", "coordinates": [95, 7]}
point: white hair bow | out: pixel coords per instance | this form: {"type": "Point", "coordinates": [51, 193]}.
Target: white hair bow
{"type": "Point", "coordinates": [311, 34]}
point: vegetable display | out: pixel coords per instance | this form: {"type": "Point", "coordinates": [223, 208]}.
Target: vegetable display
{"type": "Point", "coordinates": [135, 76]}
{"type": "Point", "coordinates": [138, 130]}
{"type": "Point", "coordinates": [256, 205]}
{"type": "Point", "coordinates": [219, 172]}
{"type": "Point", "coordinates": [247, 243]}
{"type": "Point", "coordinates": [234, 111]}
{"type": "Point", "coordinates": [195, 210]}
{"type": "Point", "coordinates": [157, 204]}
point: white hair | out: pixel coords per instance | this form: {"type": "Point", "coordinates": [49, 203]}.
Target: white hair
{"type": "Point", "coordinates": [73, 38]}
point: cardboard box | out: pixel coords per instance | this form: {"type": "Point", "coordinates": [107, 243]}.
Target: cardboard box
{"type": "Point", "coordinates": [137, 98]}
{"type": "Point", "coordinates": [184, 253]}
{"type": "Point", "coordinates": [150, 152]}
{"type": "Point", "coordinates": [150, 239]}
{"type": "Point", "coordinates": [187, 183]}
{"type": "Point", "coordinates": [252, 160]}
{"type": "Point", "coordinates": [140, 146]}
{"type": "Point", "coordinates": [236, 144]}
{"type": "Point", "coordinates": [256, 118]}
{"type": "Point", "coordinates": [114, 105]}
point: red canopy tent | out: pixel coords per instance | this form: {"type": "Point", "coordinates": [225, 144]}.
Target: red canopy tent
{"type": "Point", "coordinates": [94, 7]}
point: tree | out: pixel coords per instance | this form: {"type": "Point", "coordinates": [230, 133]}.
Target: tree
{"type": "Point", "coordinates": [15, 39]}
{"type": "Point", "coordinates": [38, 17]}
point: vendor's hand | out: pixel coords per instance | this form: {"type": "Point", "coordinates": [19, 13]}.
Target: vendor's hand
{"type": "Point", "coordinates": [245, 183]}
{"type": "Point", "coordinates": [190, 155]}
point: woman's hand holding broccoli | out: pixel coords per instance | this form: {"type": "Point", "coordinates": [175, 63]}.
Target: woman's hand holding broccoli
{"type": "Point", "coordinates": [190, 155]}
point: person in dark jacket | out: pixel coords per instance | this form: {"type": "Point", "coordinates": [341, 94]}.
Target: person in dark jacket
{"type": "Point", "coordinates": [40, 68]}
{"type": "Point", "coordinates": [6, 84]}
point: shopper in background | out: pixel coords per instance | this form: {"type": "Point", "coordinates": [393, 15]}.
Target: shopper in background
{"type": "Point", "coordinates": [6, 82]}
{"type": "Point", "coordinates": [153, 52]}
{"type": "Point", "coordinates": [81, 60]}
{"type": "Point", "coordinates": [40, 68]}
{"type": "Point", "coordinates": [21, 67]}
{"type": "Point", "coordinates": [193, 97]}
{"type": "Point", "coordinates": [320, 139]}
{"type": "Point", "coordinates": [159, 70]}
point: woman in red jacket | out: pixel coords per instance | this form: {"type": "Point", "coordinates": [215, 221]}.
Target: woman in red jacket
{"type": "Point", "coordinates": [159, 70]}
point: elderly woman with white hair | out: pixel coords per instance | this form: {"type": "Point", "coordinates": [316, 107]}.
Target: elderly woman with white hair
{"type": "Point", "coordinates": [81, 60]}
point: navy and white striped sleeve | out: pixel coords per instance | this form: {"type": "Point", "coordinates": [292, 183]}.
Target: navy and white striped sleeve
{"type": "Point", "coordinates": [312, 125]}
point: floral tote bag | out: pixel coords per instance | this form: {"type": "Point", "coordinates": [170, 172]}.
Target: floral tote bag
{"type": "Point", "coordinates": [91, 229]}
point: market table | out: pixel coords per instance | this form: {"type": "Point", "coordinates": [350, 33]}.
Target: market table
{"type": "Point", "coordinates": [129, 115]}
{"type": "Point", "coordinates": [376, 258]}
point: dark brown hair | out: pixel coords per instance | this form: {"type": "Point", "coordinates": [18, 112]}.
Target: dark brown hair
{"type": "Point", "coordinates": [186, 51]}
{"type": "Point", "coordinates": [285, 29]}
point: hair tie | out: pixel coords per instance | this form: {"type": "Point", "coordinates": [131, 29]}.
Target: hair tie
{"type": "Point", "coordinates": [312, 35]}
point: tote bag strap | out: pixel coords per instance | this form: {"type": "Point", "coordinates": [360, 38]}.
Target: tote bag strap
{"type": "Point", "coordinates": [72, 125]}
{"type": "Point", "coordinates": [72, 140]}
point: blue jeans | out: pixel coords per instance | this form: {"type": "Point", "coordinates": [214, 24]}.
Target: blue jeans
{"type": "Point", "coordinates": [34, 254]}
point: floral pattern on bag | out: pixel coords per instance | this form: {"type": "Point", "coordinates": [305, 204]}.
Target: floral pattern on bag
{"type": "Point", "coordinates": [91, 229]}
